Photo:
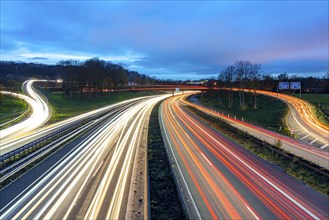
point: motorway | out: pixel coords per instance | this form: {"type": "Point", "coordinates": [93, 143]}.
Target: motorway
{"type": "Point", "coordinates": [93, 180]}
{"type": "Point", "coordinates": [220, 179]}
{"type": "Point", "coordinates": [39, 116]}
{"type": "Point", "coordinates": [311, 153]}
{"type": "Point", "coordinates": [302, 120]}
{"type": "Point", "coordinates": [8, 145]}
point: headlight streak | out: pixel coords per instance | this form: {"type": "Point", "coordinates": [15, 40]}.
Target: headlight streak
{"type": "Point", "coordinates": [40, 114]}
{"type": "Point", "coordinates": [57, 193]}
{"type": "Point", "coordinates": [200, 149]}
{"type": "Point", "coordinates": [303, 115]}
{"type": "Point", "coordinates": [12, 143]}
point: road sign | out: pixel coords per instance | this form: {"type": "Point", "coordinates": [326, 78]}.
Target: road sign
{"type": "Point", "coordinates": [177, 89]}
{"type": "Point", "coordinates": [294, 85]}
{"type": "Point", "coordinates": [283, 85]}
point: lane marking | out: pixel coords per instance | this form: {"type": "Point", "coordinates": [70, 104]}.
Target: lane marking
{"type": "Point", "coordinates": [256, 217]}
{"type": "Point", "coordinates": [313, 141]}
{"type": "Point", "coordinates": [206, 159]}
{"type": "Point", "coordinates": [260, 175]}
{"type": "Point", "coordinates": [323, 146]}
{"type": "Point", "coordinates": [304, 137]}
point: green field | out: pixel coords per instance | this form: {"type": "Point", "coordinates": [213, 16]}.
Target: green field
{"type": "Point", "coordinates": [11, 107]}
{"type": "Point", "coordinates": [64, 107]}
{"type": "Point", "coordinates": [320, 100]}
{"type": "Point", "coordinates": [321, 104]}
{"type": "Point", "coordinates": [270, 112]}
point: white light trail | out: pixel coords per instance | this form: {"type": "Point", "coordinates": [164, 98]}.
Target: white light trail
{"type": "Point", "coordinates": [40, 113]}
{"type": "Point", "coordinates": [56, 193]}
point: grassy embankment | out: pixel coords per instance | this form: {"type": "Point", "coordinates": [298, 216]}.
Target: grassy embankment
{"type": "Point", "coordinates": [164, 199]}
{"type": "Point", "coordinates": [270, 112]}
{"type": "Point", "coordinates": [294, 166]}
{"type": "Point", "coordinates": [64, 107]}
{"type": "Point", "coordinates": [320, 103]}
{"type": "Point", "coordinates": [11, 107]}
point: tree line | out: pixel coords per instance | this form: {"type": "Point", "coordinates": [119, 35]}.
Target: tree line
{"type": "Point", "coordinates": [85, 78]}
{"type": "Point", "coordinates": [95, 77]}
{"type": "Point", "coordinates": [248, 77]}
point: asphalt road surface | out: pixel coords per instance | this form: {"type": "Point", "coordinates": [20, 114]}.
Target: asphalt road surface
{"type": "Point", "coordinates": [93, 180]}
{"type": "Point", "coordinates": [308, 152]}
{"type": "Point", "coordinates": [223, 180]}
{"type": "Point", "coordinates": [303, 122]}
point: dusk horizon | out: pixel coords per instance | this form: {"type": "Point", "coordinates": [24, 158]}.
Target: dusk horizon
{"type": "Point", "coordinates": [171, 40]}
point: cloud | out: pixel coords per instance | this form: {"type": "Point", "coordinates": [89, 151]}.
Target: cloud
{"type": "Point", "coordinates": [38, 58]}
{"type": "Point", "coordinates": [170, 38]}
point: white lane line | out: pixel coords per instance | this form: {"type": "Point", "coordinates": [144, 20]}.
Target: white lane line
{"type": "Point", "coordinates": [259, 174]}
{"type": "Point", "coordinates": [323, 146]}
{"type": "Point", "coordinates": [256, 217]}
{"type": "Point", "coordinates": [179, 169]}
{"type": "Point", "coordinates": [304, 137]}
{"type": "Point", "coordinates": [206, 159]}
{"type": "Point", "coordinates": [313, 141]}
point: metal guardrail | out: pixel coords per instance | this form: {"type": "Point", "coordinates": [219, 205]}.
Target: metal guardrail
{"type": "Point", "coordinates": [11, 169]}
{"type": "Point", "coordinates": [10, 156]}
{"type": "Point", "coordinates": [30, 151]}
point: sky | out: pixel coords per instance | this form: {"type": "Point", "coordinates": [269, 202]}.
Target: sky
{"type": "Point", "coordinates": [170, 39]}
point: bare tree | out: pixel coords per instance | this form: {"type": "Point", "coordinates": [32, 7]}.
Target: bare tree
{"type": "Point", "coordinates": [243, 73]}
{"type": "Point", "coordinates": [228, 76]}
{"type": "Point", "coordinates": [97, 72]}
{"type": "Point", "coordinates": [70, 70]}
{"type": "Point", "coordinates": [254, 77]}
{"type": "Point", "coordinates": [242, 69]}
{"type": "Point", "coordinates": [283, 77]}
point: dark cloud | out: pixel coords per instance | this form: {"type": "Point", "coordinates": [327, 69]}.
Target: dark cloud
{"type": "Point", "coordinates": [38, 58]}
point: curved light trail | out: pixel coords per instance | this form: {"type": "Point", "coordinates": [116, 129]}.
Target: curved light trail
{"type": "Point", "coordinates": [92, 181]}
{"type": "Point", "coordinates": [228, 182]}
{"type": "Point", "coordinates": [310, 153]}
{"type": "Point", "coordinates": [301, 112]}
{"type": "Point", "coordinates": [39, 116]}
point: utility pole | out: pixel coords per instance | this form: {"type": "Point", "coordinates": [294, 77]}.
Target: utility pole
{"type": "Point", "coordinates": [300, 92]}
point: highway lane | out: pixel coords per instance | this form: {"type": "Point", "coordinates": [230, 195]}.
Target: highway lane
{"type": "Point", "coordinates": [296, 147]}
{"type": "Point", "coordinates": [13, 143]}
{"type": "Point", "coordinates": [93, 180]}
{"type": "Point", "coordinates": [302, 120]}
{"type": "Point", "coordinates": [40, 113]}
{"type": "Point", "coordinates": [225, 180]}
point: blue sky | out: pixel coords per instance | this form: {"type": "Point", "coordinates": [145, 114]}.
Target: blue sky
{"type": "Point", "coordinates": [170, 39]}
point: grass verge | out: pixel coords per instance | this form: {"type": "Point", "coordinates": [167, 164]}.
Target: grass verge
{"type": "Point", "coordinates": [309, 173]}
{"type": "Point", "coordinates": [270, 112]}
{"type": "Point", "coordinates": [64, 107]}
{"type": "Point", "coordinates": [164, 199]}
{"type": "Point", "coordinates": [11, 107]}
